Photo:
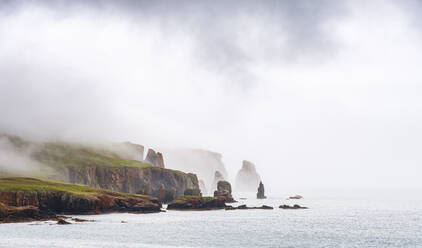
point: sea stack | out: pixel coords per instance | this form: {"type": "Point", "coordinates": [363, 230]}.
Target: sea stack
{"type": "Point", "coordinates": [224, 189]}
{"type": "Point", "coordinates": [247, 179]}
{"type": "Point", "coordinates": [155, 158]}
{"type": "Point", "coordinates": [261, 191]}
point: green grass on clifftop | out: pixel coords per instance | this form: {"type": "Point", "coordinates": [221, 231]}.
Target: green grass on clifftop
{"type": "Point", "coordinates": [70, 154]}
{"type": "Point", "coordinates": [32, 184]}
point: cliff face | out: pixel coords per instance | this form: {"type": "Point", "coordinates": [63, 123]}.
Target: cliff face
{"type": "Point", "coordinates": [130, 179]}
{"type": "Point", "coordinates": [247, 179]}
{"type": "Point", "coordinates": [25, 199]}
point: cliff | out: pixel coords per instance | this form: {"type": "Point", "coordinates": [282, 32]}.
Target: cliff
{"type": "Point", "coordinates": [114, 166]}
{"type": "Point", "coordinates": [130, 179]}
{"type": "Point", "coordinates": [247, 179]}
{"type": "Point", "coordinates": [26, 199]}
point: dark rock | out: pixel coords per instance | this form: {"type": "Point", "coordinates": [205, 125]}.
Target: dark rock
{"type": "Point", "coordinates": [224, 189]}
{"type": "Point", "coordinates": [63, 222]}
{"type": "Point", "coordinates": [296, 197]}
{"type": "Point", "coordinates": [261, 191]}
{"type": "Point", "coordinates": [247, 179]}
{"type": "Point", "coordinates": [292, 207]}
{"type": "Point", "coordinates": [243, 207]}
{"type": "Point", "coordinates": [197, 203]}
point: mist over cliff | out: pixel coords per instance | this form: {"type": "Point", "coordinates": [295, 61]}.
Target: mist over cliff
{"type": "Point", "coordinates": [320, 95]}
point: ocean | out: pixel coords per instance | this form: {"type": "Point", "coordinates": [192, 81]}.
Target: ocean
{"type": "Point", "coordinates": [329, 222]}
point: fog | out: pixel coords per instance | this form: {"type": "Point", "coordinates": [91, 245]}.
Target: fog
{"type": "Point", "coordinates": [322, 96]}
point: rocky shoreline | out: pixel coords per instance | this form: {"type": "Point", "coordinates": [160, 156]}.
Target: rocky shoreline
{"type": "Point", "coordinates": [28, 199]}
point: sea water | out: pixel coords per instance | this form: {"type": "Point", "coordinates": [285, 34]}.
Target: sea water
{"type": "Point", "coordinates": [327, 223]}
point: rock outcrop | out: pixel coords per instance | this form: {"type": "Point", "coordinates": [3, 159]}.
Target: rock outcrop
{"type": "Point", "coordinates": [261, 191]}
{"type": "Point", "coordinates": [26, 199]}
{"type": "Point", "coordinates": [197, 203]}
{"type": "Point", "coordinates": [155, 158]}
{"type": "Point", "coordinates": [247, 179]}
{"type": "Point", "coordinates": [224, 189]}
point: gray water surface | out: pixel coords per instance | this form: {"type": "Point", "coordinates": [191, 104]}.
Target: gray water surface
{"type": "Point", "coordinates": [328, 223]}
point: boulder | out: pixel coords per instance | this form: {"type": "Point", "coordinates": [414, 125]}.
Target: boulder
{"type": "Point", "coordinates": [224, 189]}
{"type": "Point", "coordinates": [247, 179]}
{"type": "Point", "coordinates": [261, 191]}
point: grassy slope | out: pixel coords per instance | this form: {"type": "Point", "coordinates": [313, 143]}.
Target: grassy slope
{"type": "Point", "coordinates": [32, 184]}
{"type": "Point", "coordinates": [70, 154]}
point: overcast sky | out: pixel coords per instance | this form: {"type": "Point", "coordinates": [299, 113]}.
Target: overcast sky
{"type": "Point", "coordinates": [320, 95]}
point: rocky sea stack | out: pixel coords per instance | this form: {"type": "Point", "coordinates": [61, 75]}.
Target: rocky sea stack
{"type": "Point", "coordinates": [247, 179]}
{"type": "Point", "coordinates": [224, 189]}
{"type": "Point", "coordinates": [261, 192]}
{"type": "Point", "coordinates": [28, 199]}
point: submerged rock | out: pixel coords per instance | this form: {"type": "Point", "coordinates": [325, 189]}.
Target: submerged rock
{"type": "Point", "coordinates": [296, 197]}
{"type": "Point", "coordinates": [197, 203]}
{"type": "Point", "coordinates": [292, 207]}
{"type": "Point", "coordinates": [261, 191]}
{"type": "Point", "coordinates": [247, 179]}
{"type": "Point", "coordinates": [224, 189]}
{"type": "Point", "coordinates": [242, 207]}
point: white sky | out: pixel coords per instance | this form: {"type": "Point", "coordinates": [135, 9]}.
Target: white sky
{"type": "Point", "coordinates": [320, 95]}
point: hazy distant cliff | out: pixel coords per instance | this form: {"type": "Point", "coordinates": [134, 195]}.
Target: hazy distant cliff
{"type": "Point", "coordinates": [201, 162]}
{"type": "Point", "coordinates": [247, 179]}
